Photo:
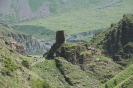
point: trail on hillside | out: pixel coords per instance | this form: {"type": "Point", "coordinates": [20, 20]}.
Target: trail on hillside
{"type": "Point", "coordinates": [38, 61]}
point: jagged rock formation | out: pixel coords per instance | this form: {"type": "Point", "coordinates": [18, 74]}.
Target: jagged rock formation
{"type": "Point", "coordinates": [14, 46]}
{"type": "Point", "coordinates": [29, 43]}
{"type": "Point", "coordinates": [18, 47]}
{"type": "Point", "coordinates": [117, 41]}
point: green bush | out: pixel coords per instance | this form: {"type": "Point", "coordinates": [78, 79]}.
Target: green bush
{"type": "Point", "coordinates": [112, 24]}
{"type": "Point", "coordinates": [36, 83]}
{"type": "Point", "coordinates": [25, 63]}
{"type": "Point", "coordinates": [10, 66]}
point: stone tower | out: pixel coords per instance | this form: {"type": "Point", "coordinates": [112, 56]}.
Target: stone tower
{"type": "Point", "coordinates": [60, 37]}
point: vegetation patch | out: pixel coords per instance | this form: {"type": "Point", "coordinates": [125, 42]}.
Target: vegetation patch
{"type": "Point", "coordinates": [121, 79]}
{"type": "Point", "coordinates": [25, 63]}
{"type": "Point", "coordinates": [36, 31]}
{"type": "Point", "coordinates": [10, 66]}
{"type": "Point", "coordinates": [37, 83]}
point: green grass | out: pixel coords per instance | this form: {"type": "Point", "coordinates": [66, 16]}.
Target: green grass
{"type": "Point", "coordinates": [85, 38]}
{"type": "Point", "coordinates": [36, 31]}
{"type": "Point", "coordinates": [74, 75]}
{"type": "Point", "coordinates": [56, 4]}
{"type": "Point", "coordinates": [10, 66]}
{"type": "Point", "coordinates": [36, 83]}
{"type": "Point", "coordinates": [121, 79]}
{"type": "Point", "coordinates": [82, 20]}
{"type": "Point", "coordinates": [35, 5]}
{"type": "Point", "coordinates": [12, 72]}
{"type": "Point", "coordinates": [101, 57]}
{"type": "Point", "coordinates": [48, 71]}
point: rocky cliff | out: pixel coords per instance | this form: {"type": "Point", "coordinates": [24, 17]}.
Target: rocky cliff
{"type": "Point", "coordinates": [30, 43]}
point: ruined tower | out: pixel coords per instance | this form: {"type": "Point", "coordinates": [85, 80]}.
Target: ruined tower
{"type": "Point", "coordinates": [60, 37]}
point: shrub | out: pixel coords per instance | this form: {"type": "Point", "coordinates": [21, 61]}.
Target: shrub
{"type": "Point", "coordinates": [10, 66]}
{"type": "Point", "coordinates": [36, 83]}
{"type": "Point", "coordinates": [25, 63]}
{"type": "Point", "coordinates": [112, 24]}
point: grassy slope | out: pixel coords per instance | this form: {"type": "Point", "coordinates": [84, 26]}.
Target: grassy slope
{"type": "Point", "coordinates": [12, 73]}
{"type": "Point", "coordinates": [122, 80]}
{"type": "Point", "coordinates": [57, 6]}
{"type": "Point", "coordinates": [48, 71]}
{"type": "Point", "coordinates": [84, 19]}
{"type": "Point", "coordinates": [75, 76]}
{"type": "Point", "coordinates": [36, 31]}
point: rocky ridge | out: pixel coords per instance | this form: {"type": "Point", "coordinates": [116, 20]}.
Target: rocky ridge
{"type": "Point", "coordinates": [30, 43]}
{"type": "Point", "coordinates": [117, 41]}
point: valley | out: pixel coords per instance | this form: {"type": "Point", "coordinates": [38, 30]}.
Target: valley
{"type": "Point", "coordinates": [66, 44]}
{"type": "Point", "coordinates": [78, 20]}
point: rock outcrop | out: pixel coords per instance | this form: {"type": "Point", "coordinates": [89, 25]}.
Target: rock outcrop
{"type": "Point", "coordinates": [18, 48]}
{"type": "Point", "coordinates": [29, 43]}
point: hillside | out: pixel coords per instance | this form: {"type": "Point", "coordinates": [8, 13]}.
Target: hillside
{"type": "Point", "coordinates": [74, 60]}
{"type": "Point", "coordinates": [79, 18]}
{"type": "Point", "coordinates": [71, 65]}
{"type": "Point", "coordinates": [31, 44]}
{"type": "Point", "coordinates": [123, 80]}
{"type": "Point", "coordinates": [116, 41]}
{"type": "Point", "coordinates": [14, 10]}
{"type": "Point", "coordinates": [106, 61]}
{"type": "Point", "coordinates": [14, 67]}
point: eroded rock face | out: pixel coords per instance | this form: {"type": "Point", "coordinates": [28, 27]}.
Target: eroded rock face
{"type": "Point", "coordinates": [15, 47]}
{"type": "Point", "coordinates": [60, 37]}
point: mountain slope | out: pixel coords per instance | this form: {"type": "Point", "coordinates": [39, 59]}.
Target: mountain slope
{"type": "Point", "coordinates": [79, 20]}
{"type": "Point", "coordinates": [74, 60]}
{"type": "Point", "coordinates": [117, 41]}
{"type": "Point", "coordinates": [121, 80]}
{"type": "Point", "coordinates": [31, 44]}
{"type": "Point", "coordinates": [39, 32]}
{"type": "Point", "coordinates": [14, 10]}
{"type": "Point", "coordinates": [14, 67]}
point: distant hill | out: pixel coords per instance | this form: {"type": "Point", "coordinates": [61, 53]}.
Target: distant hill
{"type": "Point", "coordinates": [24, 10]}
{"type": "Point", "coordinates": [80, 16]}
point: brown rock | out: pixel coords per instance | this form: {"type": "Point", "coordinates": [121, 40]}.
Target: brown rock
{"type": "Point", "coordinates": [60, 37]}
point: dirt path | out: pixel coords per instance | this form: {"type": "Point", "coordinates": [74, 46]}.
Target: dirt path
{"type": "Point", "coordinates": [38, 61]}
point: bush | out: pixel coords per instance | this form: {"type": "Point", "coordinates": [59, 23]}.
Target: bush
{"type": "Point", "coordinates": [36, 83]}
{"type": "Point", "coordinates": [10, 66]}
{"type": "Point", "coordinates": [112, 24]}
{"type": "Point", "coordinates": [25, 63]}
